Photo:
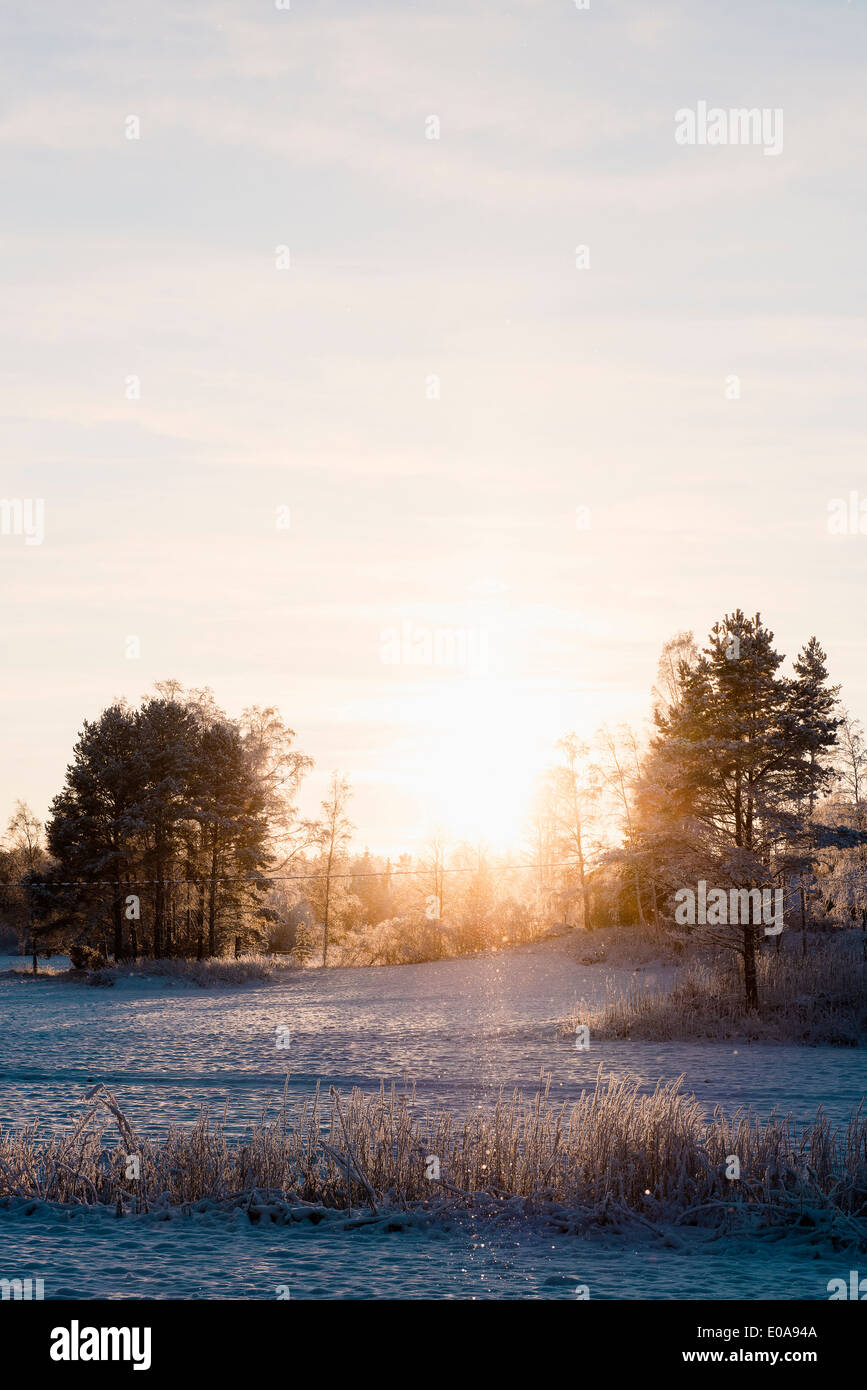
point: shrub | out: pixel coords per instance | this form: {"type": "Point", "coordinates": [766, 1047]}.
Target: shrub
{"type": "Point", "coordinates": [216, 970]}
{"type": "Point", "coordinates": [86, 958]}
{"type": "Point", "coordinates": [817, 998]}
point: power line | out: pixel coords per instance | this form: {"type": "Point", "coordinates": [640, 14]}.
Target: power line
{"type": "Point", "coordinates": [265, 879]}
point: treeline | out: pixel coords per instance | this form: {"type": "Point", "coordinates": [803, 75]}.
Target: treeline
{"type": "Point", "coordinates": [176, 835]}
{"type": "Point", "coordinates": [176, 831]}
{"type": "Point", "coordinates": [447, 901]}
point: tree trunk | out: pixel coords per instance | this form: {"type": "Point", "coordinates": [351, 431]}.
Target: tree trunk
{"type": "Point", "coordinates": [638, 900]}
{"type": "Point", "coordinates": [200, 923]}
{"type": "Point", "coordinates": [803, 920]}
{"type": "Point", "coordinates": [751, 989]}
{"type": "Point", "coordinates": [325, 924]}
{"type": "Point", "coordinates": [579, 845]}
{"type": "Point", "coordinates": [133, 936]}
{"type": "Point", "coordinates": [117, 920]}
{"type": "Point", "coordinates": [583, 877]}
{"type": "Point", "coordinates": [158, 913]}
{"type": "Point", "coordinates": [212, 904]}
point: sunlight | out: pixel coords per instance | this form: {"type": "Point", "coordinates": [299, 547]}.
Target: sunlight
{"type": "Point", "coordinates": [494, 740]}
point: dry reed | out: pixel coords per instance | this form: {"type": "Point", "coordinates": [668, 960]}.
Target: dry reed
{"type": "Point", "coordinates": [615, 1155]}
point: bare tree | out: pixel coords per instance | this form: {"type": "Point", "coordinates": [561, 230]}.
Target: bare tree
{"type": "Point", "coordinates": [573, 790]}
{"type": "Point", "coordinates": [542, 836]}
{"type": "Point", "coordinates": [334, 834]}
{"type": "Point", "coordinates": [852, 770]}
{"type": "Point", "coordinates": [25, 841]}
{"type": "Point", "coordinates": [434, 864]}
{"type": "Point", "coordinates": [621, 770]}
{"type": "Point", "coordinates": [679, 652]}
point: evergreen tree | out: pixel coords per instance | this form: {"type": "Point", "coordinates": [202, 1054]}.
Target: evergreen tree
{"type": "Point", "coordinates": [744, 752]}
{"type": "Point", "coordinates": [91, 831]}
{"type": "Point", "coordinates": [175, 804]}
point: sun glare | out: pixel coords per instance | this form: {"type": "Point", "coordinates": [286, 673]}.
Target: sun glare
{"type": "Point", "coordinates": [493, 739]}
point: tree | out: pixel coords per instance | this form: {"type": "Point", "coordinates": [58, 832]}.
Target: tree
{"type": "Point", "coordinates": [574, 790]}
{"type": "Point", "coordinates": [171, 796]}
{"type": "Point", "coordinates": [333, 833]}
{"type": "Point", "coordinates": [279, 770]}
{"type": "Point", "coordinates": [24, 839]}
{"type": "Point", "coordinates": [744, 751]}
{"type": "Point", "coordinates": [542, 838]}
{"type": "Point", "coordinates": [478, 898]}
{"type": "Point", "coordinates": [371, 884]}
{"type": "Point", "coordinates": [94, 820]}
{"type": "Point", "coordinates": [230, 801]}
{"type": "Point", "coordinates": [679, 653]}
{"type": "Point", "coordinates": [812, 711]}
{"type": "Point", "coordinates": [433, 872]}
{"type": "Point", "coordinates": [620, 771]}
{"type": "Point", "coordinates": [852, 766]}
{"type": "Point", "coordinates": [168, 744]}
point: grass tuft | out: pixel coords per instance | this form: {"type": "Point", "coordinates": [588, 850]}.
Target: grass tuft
{"type": "Point", "coordinates": [817, 998]}
{"type": "Point", "coordinates": [615, 1156]}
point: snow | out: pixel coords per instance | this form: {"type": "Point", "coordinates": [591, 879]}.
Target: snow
{"type": "Point", "coordinates": [459, 1029]}
{"type": "Point", "coordinates": [91, 1254]}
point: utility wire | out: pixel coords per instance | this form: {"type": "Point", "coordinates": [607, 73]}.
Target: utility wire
{"type": "Point", "coordinates": [277, 878]}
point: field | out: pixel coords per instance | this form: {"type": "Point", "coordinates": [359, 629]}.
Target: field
{"type": "Point", "coordinates": [450, 1034]}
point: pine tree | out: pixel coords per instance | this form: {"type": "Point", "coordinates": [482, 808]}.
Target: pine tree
{"type": "Point", "coordinates": [93, 823]}
{"type": "Point", "coordinates": [171, 797]}
{"type": "Point", "coordinates": [744, 751]}
{"type": "Point", "coordinates": [167, 747]}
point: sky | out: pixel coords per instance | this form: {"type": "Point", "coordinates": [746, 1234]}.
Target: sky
{"type": "Point", "coordinates": [327, 410]}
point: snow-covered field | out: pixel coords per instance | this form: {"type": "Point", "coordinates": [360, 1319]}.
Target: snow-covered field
{"type": "Point", "coordinates": [459, 1030]}
{"type": "Point", "coordinates": [93, 1255]}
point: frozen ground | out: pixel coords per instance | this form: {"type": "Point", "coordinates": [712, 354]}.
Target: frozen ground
{"type": "Point", "coordinates": [91, 1254]}
{"type": "Point", "coordinates": [459, 1030]}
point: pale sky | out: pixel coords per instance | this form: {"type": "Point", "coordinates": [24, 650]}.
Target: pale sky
{"type": "Point", "coordinates": [411, 259]}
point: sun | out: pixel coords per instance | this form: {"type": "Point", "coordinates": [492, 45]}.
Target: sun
{"type": "Point", "coordinates": [488, 742]}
